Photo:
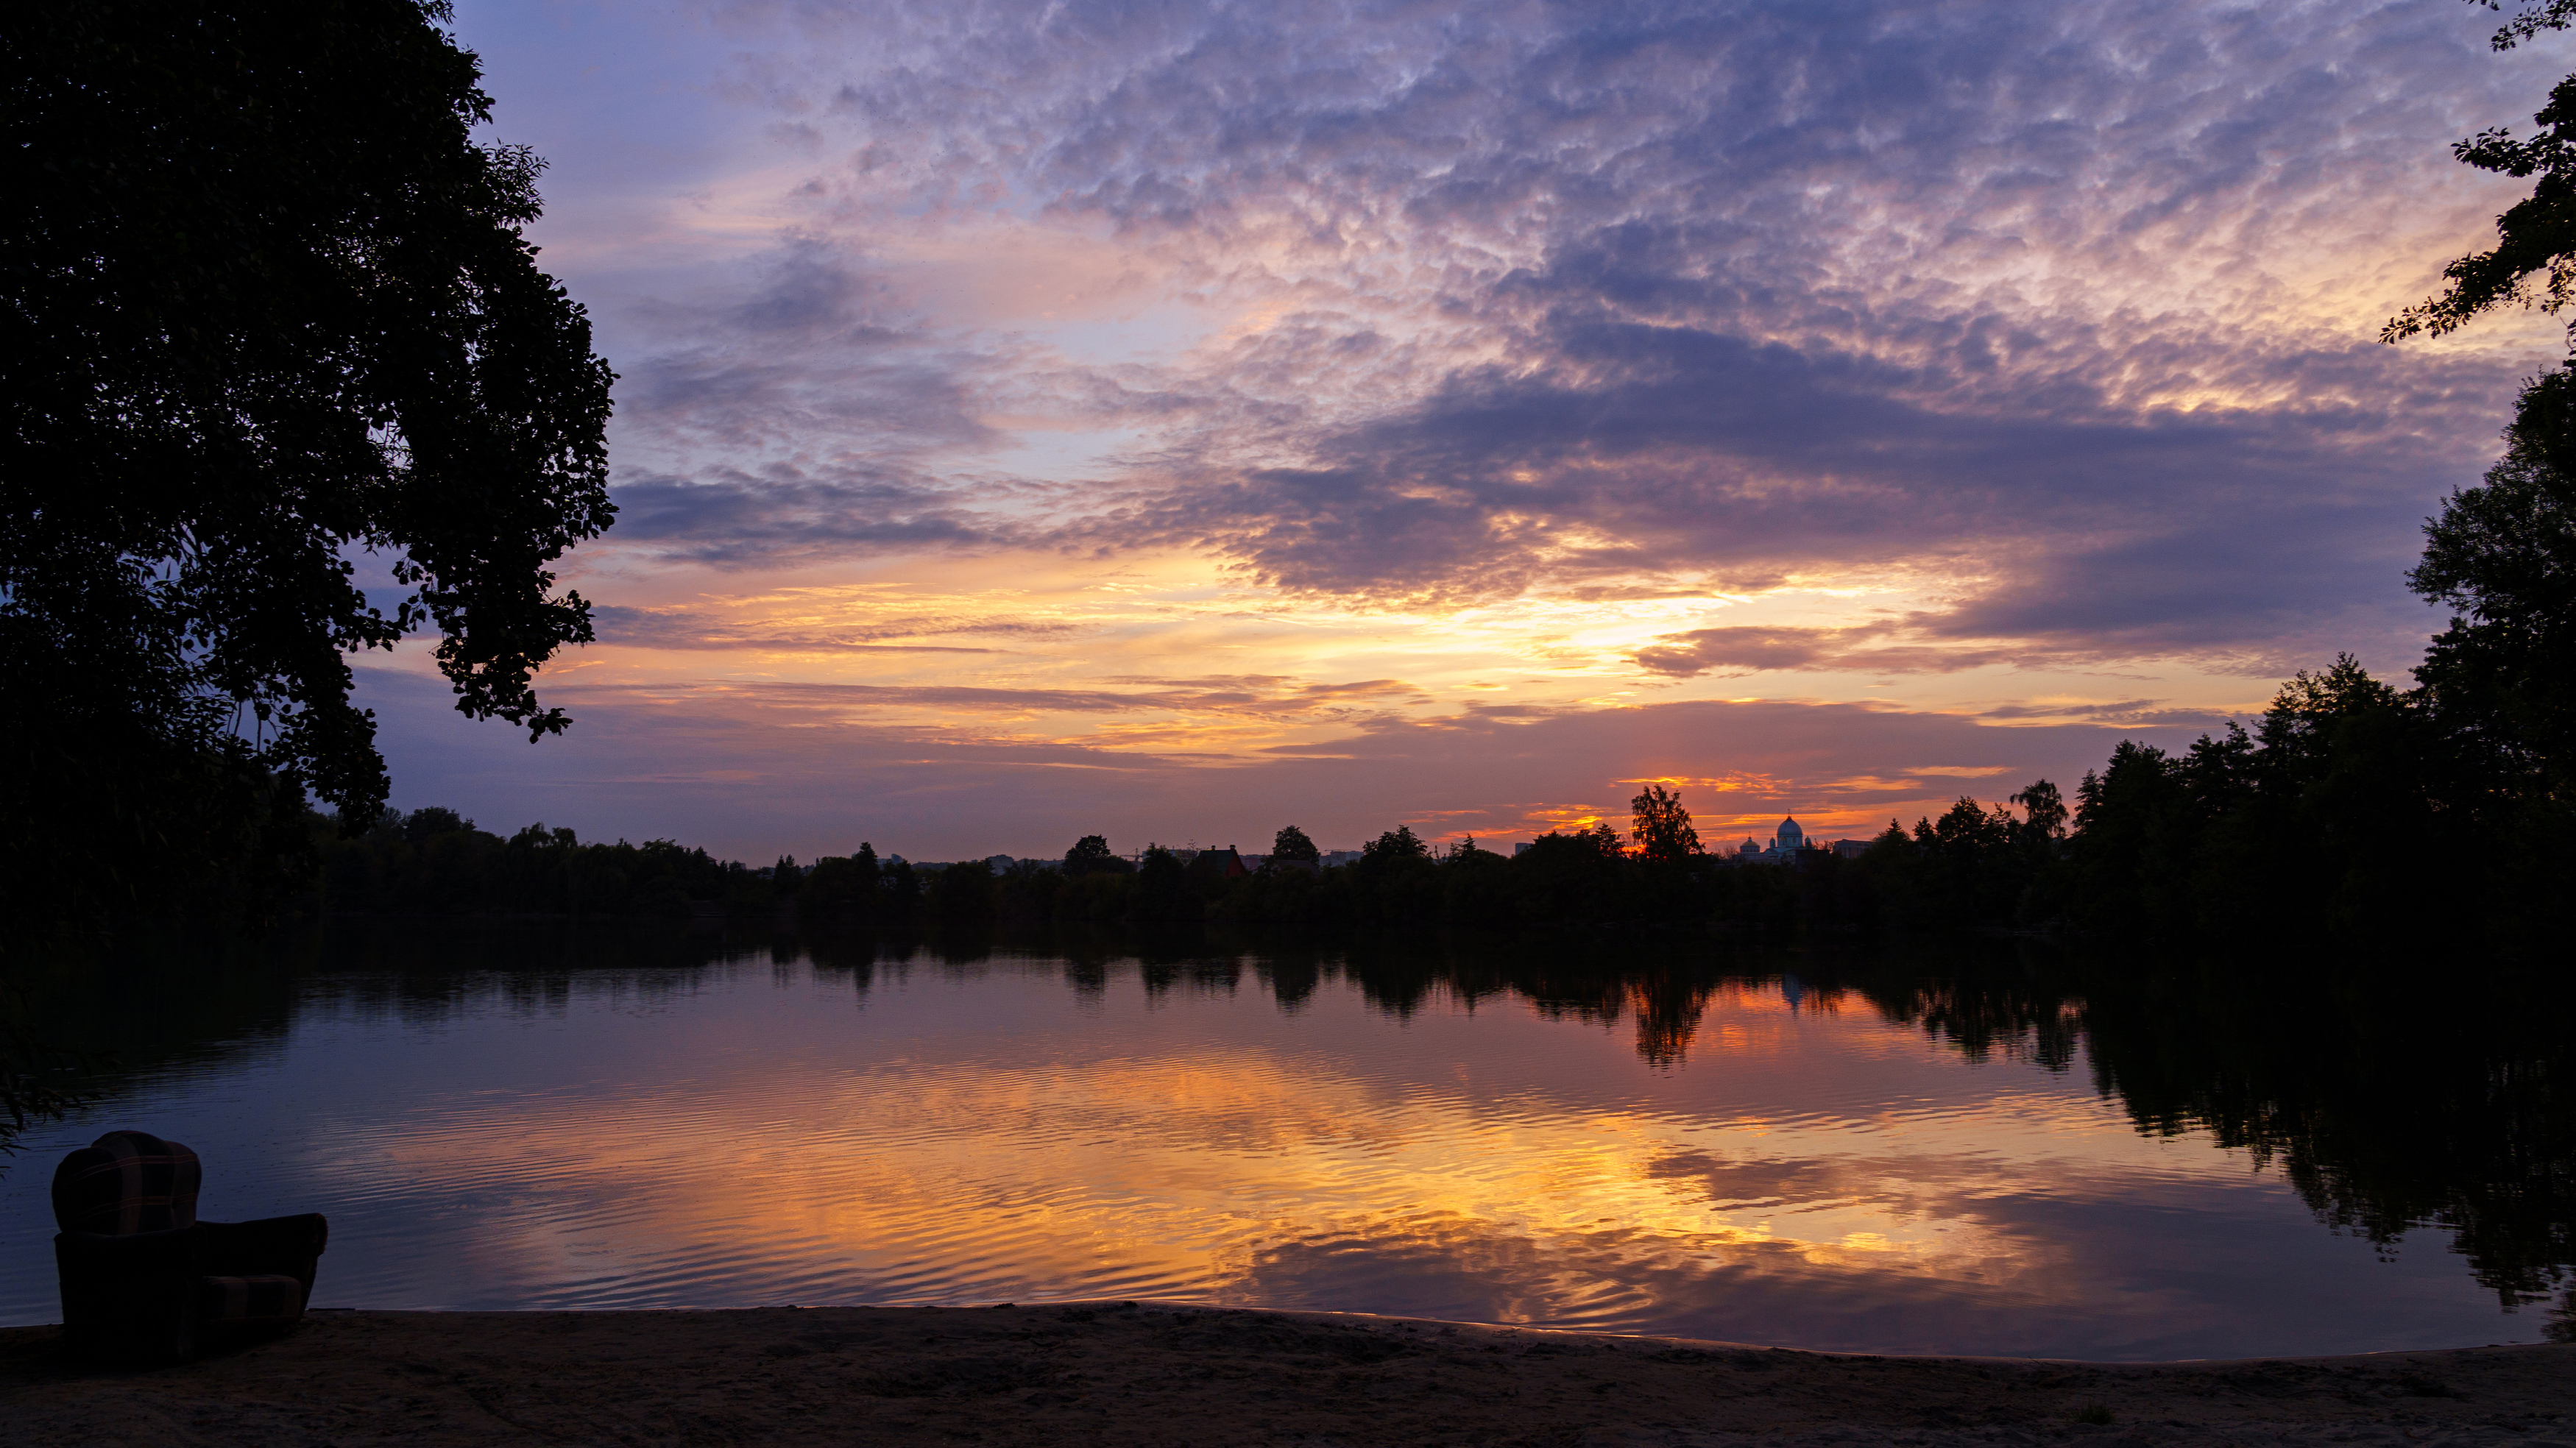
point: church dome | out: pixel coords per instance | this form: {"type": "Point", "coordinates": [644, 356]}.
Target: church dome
{"type": "Point", "coordinates": [1789, 829]}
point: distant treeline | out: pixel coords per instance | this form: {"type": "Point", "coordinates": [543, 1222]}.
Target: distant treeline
{"type": "Point", "coordinates": [2344, 813]}
{"type": "Point", "coordinates": [435, 862]}
{"type": "Point", "coordinates": [2352, 812]}
{"type": "Point", "coordinates": [2441, 817]}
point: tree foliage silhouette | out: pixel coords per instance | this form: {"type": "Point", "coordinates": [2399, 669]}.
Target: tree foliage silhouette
{"type": "Point", "coordinates": [1400, 843]}
{"type": "Point", "coordinates": [2502, 557]}
{"type": "Point", "coordinates": [271, 308]}
{"type": "Point", "coordinates": [2498, 687]}
{"type": "Point", "coordinates": [1090, 855]}
{"type": "Point", "coordinates": [2537, 235]}
{"type": "Point", "coordinates": [1660, 827]}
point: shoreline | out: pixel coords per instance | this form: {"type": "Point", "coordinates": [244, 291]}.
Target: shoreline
{"type": "Point", "coordinates": [1149, 1373]}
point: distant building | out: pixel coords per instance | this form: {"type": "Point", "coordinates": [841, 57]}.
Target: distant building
{"type": "Point", "coordinates": [1522, 848]}
{"type": "Point", "coordinates": [1851, 849]}
{"type": "Point", "coordinates": [1222, 864]}
{"type": "Point", "coordinates": [1788, 846]}
{"type": "Point", "coordinates": [1340, 857]}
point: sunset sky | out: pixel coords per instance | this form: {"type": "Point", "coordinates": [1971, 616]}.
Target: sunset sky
{"type": "Point", "coordinates": [1174, 420]}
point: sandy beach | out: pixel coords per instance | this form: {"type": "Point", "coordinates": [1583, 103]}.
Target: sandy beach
{"type": "Point", "coordinates": [1117, 1373]}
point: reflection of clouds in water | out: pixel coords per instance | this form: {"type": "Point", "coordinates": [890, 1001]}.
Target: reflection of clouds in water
{"type": "Point", "coordinates": [1991, 1267]}
{"type": "Point", "coordinates": [1236, 1175]}
{"type": "Point", "coordinates": [983, 1130]}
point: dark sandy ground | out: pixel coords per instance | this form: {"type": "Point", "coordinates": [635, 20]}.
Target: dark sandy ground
{"type": "Point", "coordinates": [1125, 1374]}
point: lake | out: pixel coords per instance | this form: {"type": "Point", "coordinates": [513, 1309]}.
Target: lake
{"type": "Point", "coordinates": [1968, 1155]}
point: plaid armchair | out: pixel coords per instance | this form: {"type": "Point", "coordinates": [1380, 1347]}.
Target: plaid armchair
{"type": "Point", "coordinates": [143, 1278]}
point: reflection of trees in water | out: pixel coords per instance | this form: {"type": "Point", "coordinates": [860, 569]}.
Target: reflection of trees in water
{"type": "Point", "coordinates": [1666, 993]}
{"type": "Point", "coordinates": [1985, 1017]}
{"type": "Point", "coordinates": [1984, 1003]}
{"type": "Point", "coordinates": [2386, 1102]}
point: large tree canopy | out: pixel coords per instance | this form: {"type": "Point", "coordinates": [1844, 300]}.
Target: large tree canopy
{"type": "Point", "coordinates": [2502, 556]}
{"type": "Point", "coordinates": [2501, 680]}
{"type": "Point", "coordinates": [269, 308]}
{"type": "Point", "coordinates": [2538, 234]}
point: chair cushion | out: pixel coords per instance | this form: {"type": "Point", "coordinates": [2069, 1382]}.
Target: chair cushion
{"type": "Point", "coordinates": [267, 1298]}
{"type": "Point", "coordinates": [127, 1181]}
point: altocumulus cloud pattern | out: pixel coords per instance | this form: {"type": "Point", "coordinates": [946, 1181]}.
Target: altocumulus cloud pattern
{"type": "Point", "coordinates": [2021, 359]}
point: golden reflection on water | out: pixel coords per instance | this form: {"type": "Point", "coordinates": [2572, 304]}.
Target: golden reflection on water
{"type": "Point", "coordinates": [1239, 1174]}
{"type": "Point", "coordinates": [1730, 1157]}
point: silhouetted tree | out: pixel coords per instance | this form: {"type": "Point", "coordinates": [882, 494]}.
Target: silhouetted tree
{"type": "Point", "coordinates": [2040, 840]}
{"type": "Point", "coordinates": [1399, 843]}
{"type": "Point", "coordinates": [2499, 685]}
{"type": "Point", "coordinates": [2133, 843]}
{"type": "Point", "coordinates": [898, 890]}
{"type": "Point", "coordinates": [1290, 846]}
{"type": "Point", "coordinates": [1661, 828]}
{"type": "Point", "coordinates": [963, 891]}
{"type": "Point", "coordinates": [1090, 856]}
{"type": "Point", "coordinates": [2502, 678]}
{"type": "Point", "coordinates": [432, 820]}
{"type": "Point", "coordinates": [269, 302]}
{"type": "Point", "coordinates": [36, 1075]}
{"type": "Point", "coordinates": [2537, 234]}
{"type": "Point", "coordinates": [853, 886]}
{"type": "Point", "coordinates": [1396, 879]}
{"type": "Point", "coordinates": [1163, 887]}
{"type": "Point", "coordinates": [1031, 891]}
{"type": "Point", "coordinates": [1571, 876]}
{"type": "Point", "coordinates": [435, 862]}
{"type": "Point", "coordinates": [2276, 832]}
{"type": "Point", "coordinates": [2044, 811]}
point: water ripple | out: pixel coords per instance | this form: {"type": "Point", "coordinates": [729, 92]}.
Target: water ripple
{"type": "Point", "coordinates": [620, 1141]}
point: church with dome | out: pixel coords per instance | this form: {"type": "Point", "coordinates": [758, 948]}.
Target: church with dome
{"type": "Point", "coordinates": [1786, 844]}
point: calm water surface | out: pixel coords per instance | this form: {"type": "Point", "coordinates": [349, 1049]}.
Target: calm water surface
{"type": "Point", "coordinates": [1759, 1151]}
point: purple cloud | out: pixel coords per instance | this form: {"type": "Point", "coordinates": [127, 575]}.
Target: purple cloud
{"type": "Point", "coordinates": [1729, 287]}
{"type": "Point", "coordinates": [2063, 315]}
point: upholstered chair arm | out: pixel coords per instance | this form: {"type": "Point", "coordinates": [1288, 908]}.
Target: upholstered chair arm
{"type": "Point", "coordinates": [256, 1246]}
{"type": "Point", "coordinates": [282, 1245]}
